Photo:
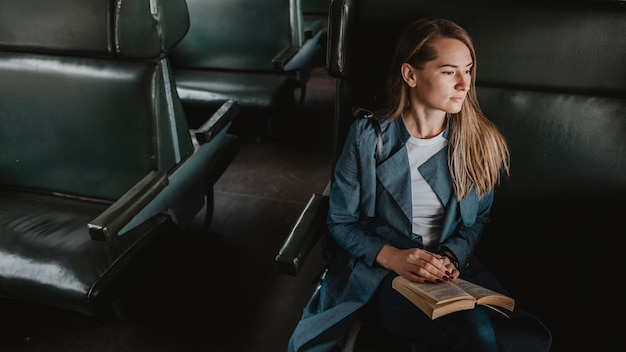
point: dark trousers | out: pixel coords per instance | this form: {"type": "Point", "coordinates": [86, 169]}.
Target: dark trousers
{"type": "Point", "coordinates": [468, 330]}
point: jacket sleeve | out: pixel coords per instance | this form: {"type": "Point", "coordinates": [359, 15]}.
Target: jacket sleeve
{"type": "Point", "coordinates": [346, 222]}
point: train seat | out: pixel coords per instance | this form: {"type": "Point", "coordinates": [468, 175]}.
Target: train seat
{"type": "Point", "coordinates": [251, 51]}
{"type": "Point", "coordinates": [547, 77]}
{"type": "Point", "coordinates": [315, 17]}
{"type": "Point", "coordinates": [100, 172]}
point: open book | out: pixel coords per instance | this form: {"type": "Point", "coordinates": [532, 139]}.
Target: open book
{"type": "Point", "coordinates": [444, 298]}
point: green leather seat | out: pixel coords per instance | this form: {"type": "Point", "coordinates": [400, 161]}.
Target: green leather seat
{"type": "Point", "coordinates": [251, 51]}
{"type": "Point", "coordinates": [315, 17]}
{"type": "Point", "coordinates": [100, 171]}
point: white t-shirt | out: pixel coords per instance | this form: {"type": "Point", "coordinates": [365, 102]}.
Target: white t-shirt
{"type": "Point", "coordinates": [427, 209]}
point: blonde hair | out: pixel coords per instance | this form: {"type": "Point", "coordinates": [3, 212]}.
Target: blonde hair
{"type": "Point", "coordinates": [477, 152]}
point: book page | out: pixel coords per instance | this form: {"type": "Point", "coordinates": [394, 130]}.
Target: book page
{"type": "Point", "coordinates": [496, 309]}
{"type": "Point", "coordinates": [484, 295]}
{"type": "Point", "coordinates": [437, 293]}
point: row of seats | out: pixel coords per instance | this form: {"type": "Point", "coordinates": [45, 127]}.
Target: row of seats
{"type": "Point", "coordinates": [258, 53]}
{"type": "Point", "coordinates": [117, 121]}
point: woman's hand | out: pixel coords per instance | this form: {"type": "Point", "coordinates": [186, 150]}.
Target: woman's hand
{"type": "Point", "coordinates": [417, 265]}
{"type": "Point", "coordinates": [450, 265]}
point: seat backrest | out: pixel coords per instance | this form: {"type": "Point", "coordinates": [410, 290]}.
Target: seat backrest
{"type": "Point", "coordinates": [241, 35]}
{"type": "Point", "coordinates": [87, 102]}
{"type": "Point", "coordinates": [312, 7]}
{"type": "Point", "coordinates": [550, 75]}
{"type": "Point", "coordinates": [546, 77]}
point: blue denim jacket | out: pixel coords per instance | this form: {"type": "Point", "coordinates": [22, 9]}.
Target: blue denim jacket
{"type": "Point", "coordinates": [370, 206]}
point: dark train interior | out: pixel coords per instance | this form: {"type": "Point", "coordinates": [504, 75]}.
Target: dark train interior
{"type": "Point", "coordinates": [164, 164]}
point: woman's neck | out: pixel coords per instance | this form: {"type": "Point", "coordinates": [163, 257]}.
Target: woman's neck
{"type": "Point", "coordinates": [425, 127]}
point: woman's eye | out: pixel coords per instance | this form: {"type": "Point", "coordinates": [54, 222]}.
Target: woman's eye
{"type": "Point", "coordinates": [448, 72]}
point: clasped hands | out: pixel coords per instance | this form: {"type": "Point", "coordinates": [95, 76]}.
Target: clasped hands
{"type": "Point", "coordinates": [417, 264]}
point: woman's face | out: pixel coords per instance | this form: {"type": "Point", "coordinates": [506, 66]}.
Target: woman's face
{"type": "Point", "coordinates": [442, 84]}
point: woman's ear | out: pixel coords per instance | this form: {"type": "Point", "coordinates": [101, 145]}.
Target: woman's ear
{"type": "Point", "coordinates": [408, 74]}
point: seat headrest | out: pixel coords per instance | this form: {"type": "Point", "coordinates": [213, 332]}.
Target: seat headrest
{"type": "Point", "coordinates": [573, 45]}
{"type": "Point", "coordinates": [127, 29]}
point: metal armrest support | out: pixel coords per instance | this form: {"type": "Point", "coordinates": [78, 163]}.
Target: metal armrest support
{"type": "Point", "coordinates": [107, 225]}
{"type": "Point", "coordinates": [218, 121]}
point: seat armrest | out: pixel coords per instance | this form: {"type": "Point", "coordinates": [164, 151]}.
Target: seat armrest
{"type": "Point", "coordinates": [306, 232]}
{"type": "Point", "coordinates": [107, 225]}
{"type": "Point", "coordinates": [218, 121]}
{"type": "Point", "coordinates": [313, 27]}
{"type": "Point", "coordinates": [280, 61]}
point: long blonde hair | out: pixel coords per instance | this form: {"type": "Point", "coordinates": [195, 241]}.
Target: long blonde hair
{"type": "Point", "coordinates": [477, 152]}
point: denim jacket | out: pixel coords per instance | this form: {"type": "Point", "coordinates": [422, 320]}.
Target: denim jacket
{"type": "Point", "coordinates": [370, 206]}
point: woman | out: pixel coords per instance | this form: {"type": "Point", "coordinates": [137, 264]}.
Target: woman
{"type": "Point", "coordinates": [419, 211]}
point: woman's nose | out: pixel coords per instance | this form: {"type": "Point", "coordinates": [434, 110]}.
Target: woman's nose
{"type": "Point", "coordinates": [463, 83]}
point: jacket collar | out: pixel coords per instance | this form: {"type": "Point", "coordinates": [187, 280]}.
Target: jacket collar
{"type": "Point", "coordinates": [394, 174]}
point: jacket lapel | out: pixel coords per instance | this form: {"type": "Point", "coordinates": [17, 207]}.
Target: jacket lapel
{"type": "Point", "coordinates": [436, 173]}
{"type": "Point", "coordinates": [393, 174]}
